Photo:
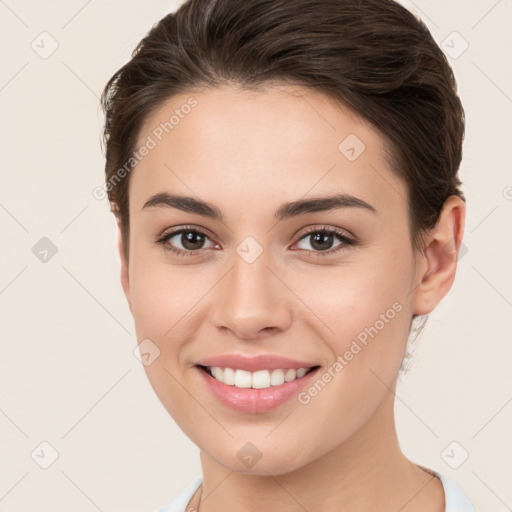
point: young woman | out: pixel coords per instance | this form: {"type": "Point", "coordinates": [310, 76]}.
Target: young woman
{"type": "Point", "coordinates": [284, 176]}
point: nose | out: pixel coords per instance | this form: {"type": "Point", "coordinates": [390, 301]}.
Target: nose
{"type": "Point", "coordinates": [253, 301]}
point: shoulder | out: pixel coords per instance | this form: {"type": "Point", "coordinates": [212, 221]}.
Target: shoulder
{"type": "Point", "coordinates": [455, 498]}
{"type": "Point", "coordinates": [179, 503]}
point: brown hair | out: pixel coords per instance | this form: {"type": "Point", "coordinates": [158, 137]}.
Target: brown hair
{"type": "Point", "coordinates": [372, 55]}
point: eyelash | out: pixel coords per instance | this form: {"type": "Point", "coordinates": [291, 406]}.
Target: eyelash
{"type": "Point", "coordinates": [346, 241]}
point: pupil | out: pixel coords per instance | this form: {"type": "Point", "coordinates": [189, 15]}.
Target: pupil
{"type": "Point", "coordinates": [191, 240]}
{"type": "Point", "coordinates": [322, 238]}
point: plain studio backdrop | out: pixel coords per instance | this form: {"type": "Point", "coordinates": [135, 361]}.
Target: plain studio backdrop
{"type": "Point", "coordinates": [80, 426]}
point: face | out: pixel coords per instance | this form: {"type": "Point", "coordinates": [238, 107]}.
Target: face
{"type": "Point", "coordinates": [262, 272]}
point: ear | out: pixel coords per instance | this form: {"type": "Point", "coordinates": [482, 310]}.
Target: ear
{"type": "Point", "coordinates": [438, 262]}
{"type": "Point", "coordinates": [125, 276]}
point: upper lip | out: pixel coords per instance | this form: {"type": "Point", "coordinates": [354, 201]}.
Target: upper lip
{"type": "Point", "coordinates": [252, 364]}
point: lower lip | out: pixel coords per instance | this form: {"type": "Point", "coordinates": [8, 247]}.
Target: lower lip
{"type": "Point", "coordinates": [255, 400]}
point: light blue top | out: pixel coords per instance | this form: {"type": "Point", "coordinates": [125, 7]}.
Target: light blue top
{"type": "Point", "coordinates": [455, 498]}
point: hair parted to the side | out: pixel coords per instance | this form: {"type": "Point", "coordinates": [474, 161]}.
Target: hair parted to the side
{"type": "Point", "coordinates": [372, 55]}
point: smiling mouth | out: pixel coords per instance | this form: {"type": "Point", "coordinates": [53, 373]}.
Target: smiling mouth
{"type": "Point", "coordinates": [260, 379]}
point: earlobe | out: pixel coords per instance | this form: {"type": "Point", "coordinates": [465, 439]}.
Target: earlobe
{"type": "Point", "coordinates": [125, 279]}
{"type": "Point", "coordinates": [436, 270]}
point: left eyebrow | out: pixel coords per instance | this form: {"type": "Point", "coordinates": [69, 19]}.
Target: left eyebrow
{"type": "Point", "coordinates": [321, 204]}
{"type": "Point", "coordinates": [286, 211]}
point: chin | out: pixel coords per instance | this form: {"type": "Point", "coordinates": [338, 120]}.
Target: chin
{"type": "Point", "coordinates": [244, 457]}
{"type": "Point", "coordinates": [274, 466]}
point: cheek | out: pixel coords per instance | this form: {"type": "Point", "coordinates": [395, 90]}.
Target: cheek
{"type": "Point", "coordinates": [163, 299]}
{"type": "Point", "coordinates": [168, 307]}
{"type": "Point", "coordinates": [368, 318]}
{"type": "Point", "coordinates": [160, 293]}
{"type": "Point", "coordinates": [359, 300]}
{"type": "Point", "coordinates": [365, 312]}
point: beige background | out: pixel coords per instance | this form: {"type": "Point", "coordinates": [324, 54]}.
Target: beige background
{"type": "Point", "coordinates": [68, 375]}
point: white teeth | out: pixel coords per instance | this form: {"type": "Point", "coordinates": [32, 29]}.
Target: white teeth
{"type": "Point", "coordinates": [217, 373]}
{"type": "Point", "coordinates": [277, 378]}
{"type": "Point", "coordinates": [261, 379]}
{"type": "Point", "coordinates": [243, 379]}
{"type": "Point", "coordinates": [290, 375]}
{"type": "Point", "coordinates": [229, 377]}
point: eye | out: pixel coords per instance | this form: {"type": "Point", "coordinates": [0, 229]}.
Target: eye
{"type": "Point", "coordinates": [321, 240]}
{"type": "Point", "coordinates": [184, 241]}
{"type": "Point", "coordinates": [191, 242]}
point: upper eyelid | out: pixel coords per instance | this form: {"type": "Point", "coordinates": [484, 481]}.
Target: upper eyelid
{"type": "Point", "coordinates": [337, 231]}
{"type": "Point", "coordinates": [173, 231]}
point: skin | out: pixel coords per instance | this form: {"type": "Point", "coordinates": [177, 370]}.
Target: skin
{"type": "Point", "coordinates": [247, 153]}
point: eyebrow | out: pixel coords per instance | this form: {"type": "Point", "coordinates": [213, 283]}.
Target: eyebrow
{"type": "Point", "coordinates": [286, 211]}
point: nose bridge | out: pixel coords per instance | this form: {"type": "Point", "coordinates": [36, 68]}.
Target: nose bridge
{"type": "Point", "coordinates": [250, 280]}
{"type": "Point", "coordinates": [253, 299]}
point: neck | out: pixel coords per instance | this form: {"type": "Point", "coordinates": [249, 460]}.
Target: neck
{"type": "Point", "coordinates": [366, 469]}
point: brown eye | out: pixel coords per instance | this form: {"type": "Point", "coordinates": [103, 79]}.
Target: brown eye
{"type": "Point", "coordinates": [323, 240]}
{"type": "Point", "coordinates": [184, 241]}
{"type": "Point", "coordinates": [191, 240]}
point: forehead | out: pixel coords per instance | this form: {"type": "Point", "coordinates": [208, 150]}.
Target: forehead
{"type": "Point", "coordinates": [262, 147]}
